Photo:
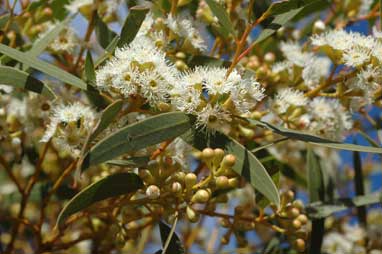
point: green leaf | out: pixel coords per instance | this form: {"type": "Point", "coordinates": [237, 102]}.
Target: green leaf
{"type": "Point", "coordinates": [323, 210]}
{"type": "Point", "coordinates": [139, 135]}
{"type": "Point", "coordinates": [42, 66]}
{"type": "Point", "coordinates": [92, 93]}
{"type": "Point", "coordinates": [58, 8]}
{"type": "Point", "coordinates": [368, 138]}
{"type": "Point", "coordinates": [359, 186]}
{"type": "Point", "coordinates": [14, 77]}
{"type": "Point", "coordinates": [132, 24]}
{"type": "Point", "coordinates": [175, 245]}
{"type": "Point", "coordinates": [90, 70]}
{"type": "Point", "coordinates": [136, 162]}
{"type": "Point", "coordinates": [278, 21]}
{"type": "Point", "coordinates": [220, 12]}
{"type": "Point", "coordinates": [247, 165]}
{"type": "Point", "coordinates": [103, 33]}
{"type": "Point", "coordinates": [107, 117]}
{"type": "Point", "coordinates": [315, 140]}
{"type": "Point", "coordinates": [316, 193]}
{"type": "Point", "coordinates": [108, 187]}
{"type": "Point", "coordinates": [281, 7]}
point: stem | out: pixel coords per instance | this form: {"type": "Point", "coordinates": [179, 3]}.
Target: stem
{"type": "Point", "coordinates": [25, 196]}
{"type": "Point", "coordinates": [380, 15]}
{"type": "Point", "coordinates": [169, 237]}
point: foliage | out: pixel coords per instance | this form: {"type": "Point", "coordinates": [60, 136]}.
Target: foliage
{"type": "Point", "coordinates": [145, 124]}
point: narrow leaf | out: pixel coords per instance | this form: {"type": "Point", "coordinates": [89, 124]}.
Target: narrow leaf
{"type": "Point", "coordinates": [359, 186]}
{"type": "Point", "coordinates": [315, 140]}
{"type": "Point", "coordinates": [107, 117]}
{"type": "Point", "coordinates": [322, 209]}
{"type": "Point", "coordinates": [42, 66]}
{"type": "Point", "coordinates": [316, 193]}
{"type": "Point", "coordinates": [174, 245]}
{"type": "Point", "coordinates": [220, 12]}
{"type": "Point", "coordinates": [14, 77]}
{"type": "Point", "coordinates": [103, 33]}
{"type": "Point", "coordinates": [132, 24]}
{"type": "Point", "coordinates": [139, 135]}
{"type": "Point", "coordinates": [247, 165]}
{"type": "Point", "coordinates": [110, 186]}
{"type": "Point", "coordinates": [90, 70]}
{"type": "Point", "coordinates": [137, 162]}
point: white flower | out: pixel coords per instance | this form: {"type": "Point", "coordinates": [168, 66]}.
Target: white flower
{"type": "Point", "coordinates": [356, 56]}
{"type": "Point", "coordinates": [66, 41]}
{"type": "Point", "coordinates": [69, 126]}
{"type": "Point", "coordinates": [139, 68]}
{"type": "Point", "coordinates": [316, 69]}
{"type": "Point", "coordinates": [183, 26]}
{"type": "Point", "coordinates": [213, 117]}
{"type": "Point", "coordinates": [336, 39]}
{"type": "Point", "coordinates": [282, 66]}
{"type": "Point", "coordinates": [329, 118]}
{"type": "Point", "coordinates": [335, 243]}
{"type": "Point", "coordinates": [287, 97]}
{"type": "Point", "coordinates": [293, 52]}
{"type": "Point", "coordinates": [377, 33]}
{"type": "Point", "coordinates": [246, 94]}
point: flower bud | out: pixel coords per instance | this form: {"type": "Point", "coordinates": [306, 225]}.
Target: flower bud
{"type": "Point", "coordinates": [299, 244]}
{"type": "Point", "coordinates": [298, 204]}
{"type": "Point", "coordinates": [153, 192]}
{"type": "Point", "coordinates": [190, 180]}
{"type": "Point", "coordinates": [292, 212]}
{"type": "Point", "coordinates": [192, 215]}
{"type": "Point", "coordinates": [319, 26]}
{"type": "Point", "coordinates": [219, 154]}
{"type": "Point", "coordinates": [303, 219]}
{"type": "Point", "coordinates": [201, 196]}
{"type": "Point", "coordinates": [208, 154]}
{"type": "Point", "coordinates": [233, 182]}
{"type": "Point", "coordinates": [180, 55]}
{"type": "Point", "coordinates": [228, 161]}
{"type": "Point", "coordinates": [176, 187]}
{"type": "Point", "coordinates": [222, 182]}
{"type": "Point", "coordinates": [269, 57]}
{"type": "Point", "coordinates": [296, 224]}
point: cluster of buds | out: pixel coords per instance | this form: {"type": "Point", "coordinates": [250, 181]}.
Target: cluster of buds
{"type": "Point", "coordinates": [291, 218]}
{"type": "Point", "coordinates": [167, 184]}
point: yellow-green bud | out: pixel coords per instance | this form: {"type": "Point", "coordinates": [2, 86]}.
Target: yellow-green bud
{"type": "Point", "coordinates": [153, 192]}
{"type": "Point", "coordinates": [302, 218]}
{"type": "Point", "coordinates": [180, 55]}
{"type": "Point", "coordinates": [219, 154]}
{"type": "Point", "coordinates": [176, 187]}
{"type": "Point", "coordinates": [228, 161]}
{"type": "Point", "coordinates": [208, 154]}
{"type": "Point", "coordinates": [222, 182]}
{"type": "Point", "coordinates": [299, 245]}
{"type": "Point", "coordinates": [298, 204]}
{"type": "Point", "coordinates": [192, 215]}
{"type": "Point", "coordinates": [190, 180]}
{"type": "Point", "coordinates": [296, 224]}
{"type": "Point", "coordinates": [292, 212]}
{"type": "Point", "coordinates": [201, 196]}
{"type": "Point", "coordinates": [233, 182]}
